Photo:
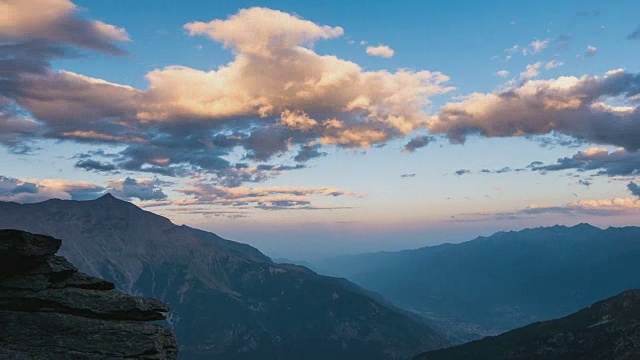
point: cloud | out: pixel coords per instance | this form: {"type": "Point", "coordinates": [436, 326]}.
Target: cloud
{"type": "Point", "coordinates": [553, 64]}
{"type": "Point", "coordinates": [202, 193]}
{"type": "Point", "coordinates": [502, 170]}
{"type": "Point", "coordinates": [14, 128]}
{"type": "Point", "coordinates": [308, 152]}
{"type": "Point", "coordinates": [616, 163]}
{"type": "Point", "coordinates": [573, 106]}
{"type": "Point", "coordinates": [263, 32]}
{"type": "Point", "coordinates": [188, 120]}
{"type": "Point", "coordinates": [513, 49]}
{"type": "Point", "coordinates": [634, 188]}
{"type": "Point", "coordinates": [532, 71]}
{"type": "Point", "coordinates": [94, 165]}
{"type": "Point", "coordinates": [554, 139]}
{"type": "Point", "coordinates": [56, 21]}
{"type": "Point", "coordinates": [535, 47]}
{"type": "Point", "coordinates": [585, 182]}
{"type": "Point", "coordinates": [502, 73]}
{"type": "Point", "coordinates": [635, 35]}
{"type": "Point", "coordinates": [206, 192]}
{"type": "Point", "coordinates": [603, 207]}
{"type": "Point", "coordinates": [34, 190]}
{"type": "Point", "coordinates": [591, 50]}
{"type": "Point", "coordinates": [417, 143]}
{"type": "Point", "coordinates": [462, 172]}
{"type": "Point", "coordinates": [380, 51]}
{"type": "Point", "coordinates": [142, 189]}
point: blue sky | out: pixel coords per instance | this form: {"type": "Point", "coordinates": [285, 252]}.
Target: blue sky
{"type": "Point", "coordinates": [134, 108]}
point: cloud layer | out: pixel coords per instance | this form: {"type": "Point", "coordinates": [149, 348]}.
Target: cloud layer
{"type": "Point", "coordinates": [603, 207]}
{"type": "Point", "coordinates": [568, 105]}
{"type": "Point", "coordinates": [202, 193]}
{"type": "Point", "coordinates": [275, 97]}
{"type": "Point", "coordinates": [616, 163]}
{"type": "Point", "coordinates": [34, 190]}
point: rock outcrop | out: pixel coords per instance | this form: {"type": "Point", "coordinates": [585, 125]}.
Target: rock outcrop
{"type": "Point", "coordinates": [50, 310]}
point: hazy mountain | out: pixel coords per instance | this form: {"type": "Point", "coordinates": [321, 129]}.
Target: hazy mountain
{"type": "Point", "coordinates": [228, 300]}
{"type": "Point", "coordinates": [507, 280]}
{"type": "Point", "coordinates": [609, 329]}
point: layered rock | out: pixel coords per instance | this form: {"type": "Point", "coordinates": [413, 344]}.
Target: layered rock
{"type": "Point", "coordinates": [50, 310]}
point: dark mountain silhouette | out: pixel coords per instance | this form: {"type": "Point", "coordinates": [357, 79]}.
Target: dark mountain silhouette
{"type": "Point", "coordinates": [510, 279]}
{"type": "Point", "coordinates": [607, 330]}
{"type": "Point", "coordinates": [228, 300]}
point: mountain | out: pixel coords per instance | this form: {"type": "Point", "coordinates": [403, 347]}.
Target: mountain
{"type": "Point", "coordinates": [228, 300]}
{"type": "Point", "coordinates": [49, 310]}
{"type": "Point", "coordinates": [510, 279]}
{"type": "Point", "coordinates": [609, 329]}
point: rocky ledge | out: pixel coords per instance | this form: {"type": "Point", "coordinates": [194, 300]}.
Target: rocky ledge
{"type": "Point", "coordinates": [50, 310]}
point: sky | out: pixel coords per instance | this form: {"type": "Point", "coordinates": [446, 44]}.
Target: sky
{"type": "Point", "coordinates": [320, 128]}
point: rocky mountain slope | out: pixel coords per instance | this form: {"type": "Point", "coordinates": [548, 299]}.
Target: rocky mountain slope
{"type": "Point", "coordinates": [510, 279]}
{"type": "Point", "coordinates": [228, 300]}
{"type": "Point", "coordinates": [609, 329]}
{"type": "Point", "coordinates": [50, 310]}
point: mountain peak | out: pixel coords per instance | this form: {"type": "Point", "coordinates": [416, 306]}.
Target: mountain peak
{"type": "Point", "coordinates": [585, 226]}
{"type": "Point", "coordinates": [109, 201]}
{"type": "Point", "coordinates": [107, 197]}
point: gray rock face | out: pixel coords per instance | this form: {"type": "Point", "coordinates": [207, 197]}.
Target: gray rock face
{"type": "Point", "coordinates": [50, 310]}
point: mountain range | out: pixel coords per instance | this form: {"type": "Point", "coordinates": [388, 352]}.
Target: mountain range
{"type": "Point", "coordinates": [507, 280]}
{"type": "Point", "coordinates": [607, 330]}
{"type": "Point", "coordinates": [228, 300]}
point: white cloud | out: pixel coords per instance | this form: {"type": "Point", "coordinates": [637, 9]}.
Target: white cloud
{"type": "Point", "coordinates": [513, 49]}
{"type": "Point", "coordinates": [535, 47]}
{"type": "Point", "coordinates": [380, 51]}
{"type": "Point", "coordinates": [263, 32]}
{"type": "Point", "coordinates": [532, 71]}
{"type": "Point", "coordinates": [502, 73]}
{"type": "Point", "coordinates": [553, 64]}
{"type": "Point", "coordinates": [591, 50]}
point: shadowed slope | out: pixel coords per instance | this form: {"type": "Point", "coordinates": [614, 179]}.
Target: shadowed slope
{"type": "Point", "coordinates": [608, 329]}
{"type": "Point", "coordinates": [228, 300]}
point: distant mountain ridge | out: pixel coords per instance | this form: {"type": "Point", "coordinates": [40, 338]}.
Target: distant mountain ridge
{"type": "Point", "coordinates": [497, 283]}
{"type": "Point", "coordinates": [228, 300]}
{"type": "Point", "coordinates": [606, 330]}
